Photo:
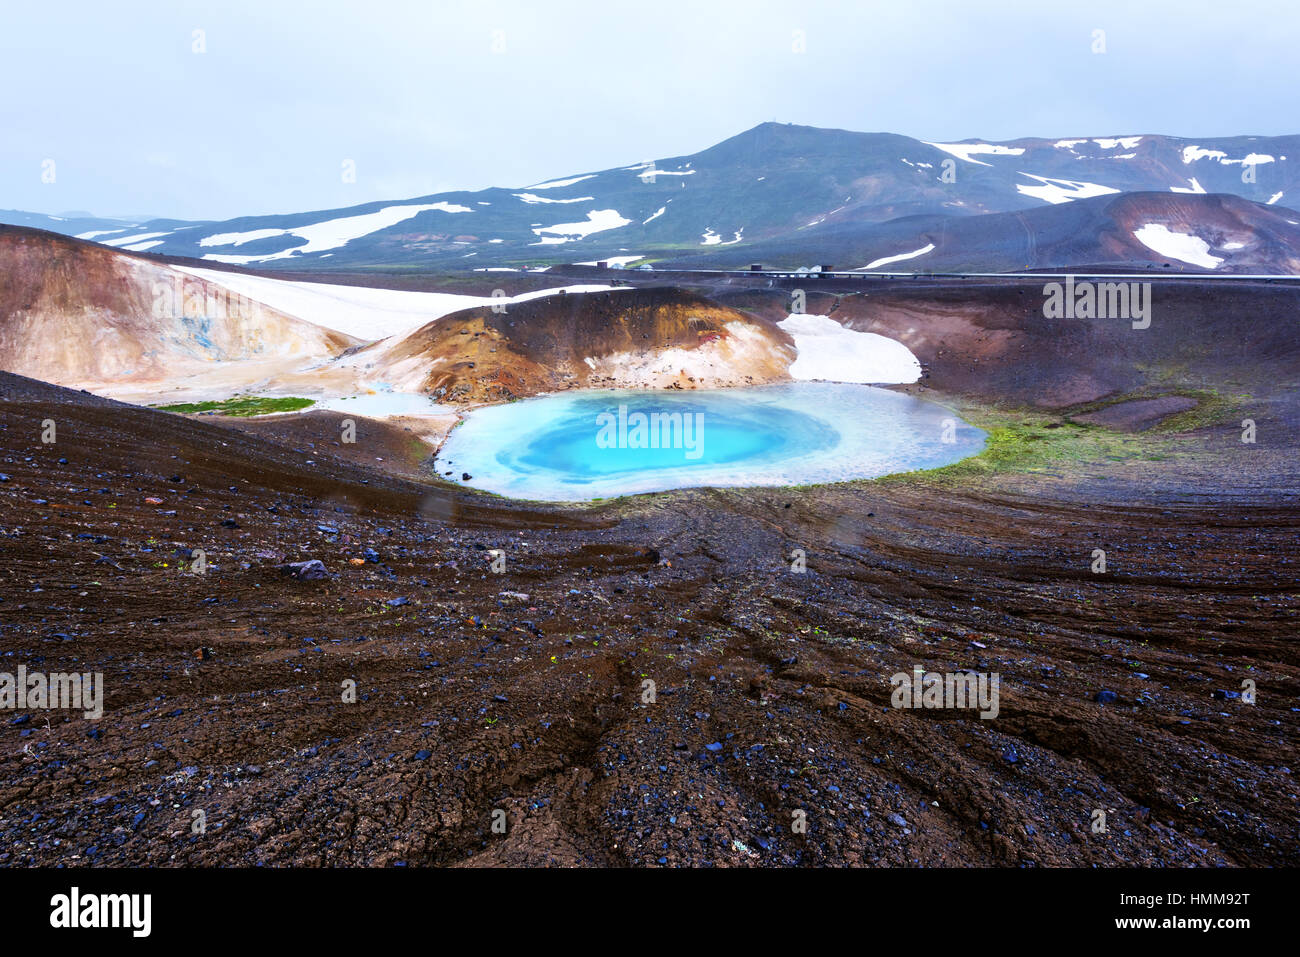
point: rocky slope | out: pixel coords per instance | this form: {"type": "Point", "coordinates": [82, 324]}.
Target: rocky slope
{"type": "Point", "coordinates": [88, 316]}
{"type": "Point", "coordinates": [989, 339]}
{"type": "Point", "coordinates": [1216, 233]}
{"type": "Point", "coordinates": [523, 692]}
{"type": "Point", "coordinates": [633, 338]}
{"type": "Point", "coordinates": [773, 181]}
{"type": "Point", "coordinates": [76, 313]}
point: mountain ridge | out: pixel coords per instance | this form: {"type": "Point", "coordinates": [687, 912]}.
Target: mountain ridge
{"type": "Point", "coordinates": [771, 181]}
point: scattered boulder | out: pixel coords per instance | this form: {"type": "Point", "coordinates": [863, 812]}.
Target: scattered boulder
{"type": "Point", "coordinates": [308, 571]}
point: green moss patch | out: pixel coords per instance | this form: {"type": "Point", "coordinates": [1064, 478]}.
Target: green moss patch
{"type": "Point", "coordinates": [244, 405]}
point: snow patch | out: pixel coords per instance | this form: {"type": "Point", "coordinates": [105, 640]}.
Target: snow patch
{"type": "Point", "coordinates": [1180, 246]}
{"type": "Point", "coordinates": [238, 239]}
{"type": "Point", "coordinates": [598, 220]}
{"type": "Point", "coordinates": [964, 151]}
{"type": "Point", "coordinates": [615, 262]}
{"type": "Point", "coordinates": [137, 238]}
{"type": "Point", "coordinates": [1194, 153]}
{"type": "Point", "coordinates": [710, 238]}
{"type": "Point", "coordinates": [830, 351]}
{"type": "Point", "coordinates": [358, 310]}
{"type": "Point", "coordinates": [557, 183]}
{"type": "Point", "coordinates": [899, 258]}
{"type": "Point", "coordinates": [101, 232]}
{"type": "Point", "coordinates": [532, 198]}
{"type": "Point", "coordinates": [323, 236]}
{"type": "Point", "coordinates": [1058, 191]}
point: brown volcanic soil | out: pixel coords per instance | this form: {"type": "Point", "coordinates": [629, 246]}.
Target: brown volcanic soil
{"type": "Point", "coordinates": [989, 340]}
{"type": "Point", "coordinates": [586, 340]}
{"type": "Point", "coordinates": [772, 687]}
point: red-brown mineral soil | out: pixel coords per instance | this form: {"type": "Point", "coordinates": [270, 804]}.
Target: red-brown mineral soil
{"type": "Point", "coordinates": [525, 692]}
{"type": "Point", "coordinates": [631, 338]}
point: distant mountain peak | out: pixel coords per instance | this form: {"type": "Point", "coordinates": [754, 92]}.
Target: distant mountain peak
{"type": "Point", "coordinates": [774, 182]}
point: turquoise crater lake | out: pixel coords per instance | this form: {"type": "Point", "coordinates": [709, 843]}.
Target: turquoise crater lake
{"type": "Point", "coordinates": [579, 446]}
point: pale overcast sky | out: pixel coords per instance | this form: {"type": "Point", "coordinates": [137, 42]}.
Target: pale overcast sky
{"type": "Point", "coordinates": [425, 95]}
